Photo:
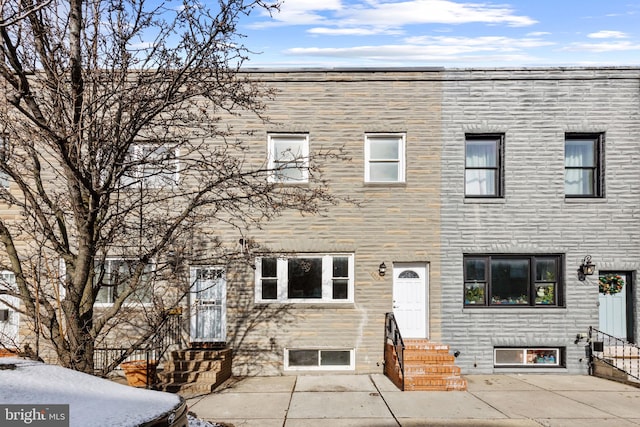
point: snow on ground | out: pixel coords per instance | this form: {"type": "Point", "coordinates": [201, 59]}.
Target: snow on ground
{"type": "Point", "coordinates": [92, 401]}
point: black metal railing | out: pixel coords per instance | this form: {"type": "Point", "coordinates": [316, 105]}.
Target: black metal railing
{"type": "Point", "coordinates": [615, 352]}
{"type": "Point", "coordinates": [393, 336]}
{"type": "Point", "coordinates": [150, 350]}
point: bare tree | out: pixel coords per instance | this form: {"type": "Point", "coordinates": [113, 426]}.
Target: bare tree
{"type": "Point", "coordinates": [114, 144]}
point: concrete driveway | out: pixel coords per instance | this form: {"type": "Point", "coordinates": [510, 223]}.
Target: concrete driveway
{"type": "Point", "coordinates": [372, 400]}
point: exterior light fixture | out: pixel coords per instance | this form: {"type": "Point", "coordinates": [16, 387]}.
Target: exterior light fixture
{"type": "Point", "coordinates": [382, 269]}
{"type": "Point", "coordinates": [587, 268]}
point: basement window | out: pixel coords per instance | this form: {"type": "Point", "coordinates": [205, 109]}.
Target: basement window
{"type": "Point", "coordinates": [319, 359]}
{"type": "Point", "coordinates": [535, 357]}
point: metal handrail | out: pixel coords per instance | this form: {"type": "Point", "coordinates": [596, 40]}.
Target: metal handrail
{"type": "Point", "coordinates": [615, 352]}
{"type": "Point", "coordinates": [392, 333]}
{"type": "Point", "coordinates": [152, 349]}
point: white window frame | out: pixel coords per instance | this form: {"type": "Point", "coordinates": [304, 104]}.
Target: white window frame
{"type": "Point", "coordinates": [302, 161]}
{"type": "Point", "coordinates": [319, 366]}
{"type": "Point", "coordinates": [129, 303]}
{"type": "Point", "coordinates": [400, 161]}
{"type": "Point", "coordinates": [527, 354]}
{"type": "Point", "coordinates": [146, 152]}
{"type": "Point", "coordinates": [327, 280]}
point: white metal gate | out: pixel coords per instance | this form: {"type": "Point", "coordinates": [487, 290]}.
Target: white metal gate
{"type": "Point", "coordinates": [208, 304]}
{"type": "Point", "coordinates": [410, 299]}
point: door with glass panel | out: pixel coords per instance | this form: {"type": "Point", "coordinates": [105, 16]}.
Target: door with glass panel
{"type": "Point", "coordinates": [410, 299]}
{"type": "Point", "coordinates": [208, 304]}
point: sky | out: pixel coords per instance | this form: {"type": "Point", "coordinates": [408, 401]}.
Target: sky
{"type": "Point", "coordinates": [445, 33]}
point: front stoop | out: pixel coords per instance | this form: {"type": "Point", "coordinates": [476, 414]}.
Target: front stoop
{"type": "Point", "coordinates": [427, 367]}
{"type": "Point", "coordinates": [195, 371]}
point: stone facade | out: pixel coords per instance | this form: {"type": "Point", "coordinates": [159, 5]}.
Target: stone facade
{"type": "Point", "coordinates": [533, 109]}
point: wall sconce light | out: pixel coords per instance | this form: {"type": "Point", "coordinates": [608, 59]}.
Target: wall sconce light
{"type": "Point", "coordinates": [587, 268]}
{"type": "Point", "coordinates": [382, 269]}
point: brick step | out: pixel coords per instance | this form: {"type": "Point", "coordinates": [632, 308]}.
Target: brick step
{"type": "Point", "coordinates": [188, 388]}
{"type": "Point", "coordinates": [188, 376]}
{"type": "Point", "coordinates": [413, 344]}
{"type": "Point", "coordinates": [199, 355]}
{"type": "Point", "coordinates": [193, 365]}
{"type": "Point", "coordinates": [427, 383]}
{"type": "Point", "coordinates": [427, 358]}
{"type": "Point", "coordinates": [422, 369]}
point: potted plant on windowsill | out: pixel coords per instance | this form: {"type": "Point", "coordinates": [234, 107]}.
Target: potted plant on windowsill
{"type": "Point", "coordinates": [474, 295]}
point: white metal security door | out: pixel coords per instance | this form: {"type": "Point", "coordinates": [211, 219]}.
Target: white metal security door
{"type": "Point", "coordinates": [410, 299]}
{"type": "Point", "coordinates": [208, 304]}
{"type": "Point", "coordinates": [613, 311]}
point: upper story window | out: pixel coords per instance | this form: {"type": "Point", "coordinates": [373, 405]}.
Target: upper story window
{"type": "Point", "coordinates": [289, 158]}
{"type": "Point", "coordinates": [483, 165]}
{"type": "Point", "coordinates": [583, 165]}
{"type": "Point", "coordinates": [513, 281]}
{"type": "Point", "coordinates": [152, 166]}
{"type": "Point", "coordinates": [384, 158]}
{"type": "Point", "coordinates": [114, 276]}
{"type": "Point", "coordinates": [305, 278]}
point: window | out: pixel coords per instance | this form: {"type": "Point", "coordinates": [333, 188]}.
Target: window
{"type": "Point", "coordinates": [384, 158]}
{"type": "Point", "coordinates": [305, 278]}
{"type": "Point", "coordinates": [483, 165]}
{"type": "Point", "coordinates": [583, 165]}
{"type": "Point", "coordinates": [513, 281]}
{"type": "Point", "coordinates": [318, 359]}
{"type": "Point", "coordinates": [4, 314]}
{"type": "Point", "coordinates": [152, 166]}
{"type": "Point", "coordinates": [289, 158]}
{"type": "Point", "coordinates": [115, 276]}
{"type": "Point", "coordinates": [528, 357]}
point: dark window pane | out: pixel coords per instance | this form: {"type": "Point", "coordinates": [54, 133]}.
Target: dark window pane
{"type": "Point", "coordinates": [303, 357]}
{"type": "Point", "coordinates": [475, 270]}
{"type": "Point", "coordinates": [269, 267]}
{"type": "Point", "coordinates": [546, 270]}
{"type": "Point", "coordinates": [305, 278]}
{"type": "Point", "coordinates": [509, 281]}
{"type": "Point", "coordinates": [340, 267]}
{"type": "Point", "coordinates": [340, 289]}
{"type": "Point", "coordinates": [269, 289]}
{"type": "Point", "coordinates": [335, 358]}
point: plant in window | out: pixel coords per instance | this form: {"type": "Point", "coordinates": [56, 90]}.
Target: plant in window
{"type": "Point", "coordinates": [611, 284]}
{"type": "Point", "coordinates": [474, 295]}
{"type": "Point", "coordinates": [545, 295]}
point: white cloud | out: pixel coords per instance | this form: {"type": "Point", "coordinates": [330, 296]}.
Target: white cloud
{"type": "Point", "coordinates": [602, 47]}
{"type": "Point", "coordinates": [538, 34]}
{"type": "Point", "coordinates": [325, 31]}
{"type": "Point", "coordinates": [384, 14]}
{"type": "Point", "coordinates": [402, 54]}
{"type": "Point", "coordinates": [607, 35]}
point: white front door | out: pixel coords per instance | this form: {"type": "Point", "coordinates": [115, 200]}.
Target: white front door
{"type": "Point", "coordinates": [208, 304]}
{"type": "Point", "coordinates": [613, 310]}
{"type": "Point", "coordinates": [410, 299]}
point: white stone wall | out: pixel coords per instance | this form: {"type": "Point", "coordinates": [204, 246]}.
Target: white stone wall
{"type": "Point", "coordinates": [534, 108]}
